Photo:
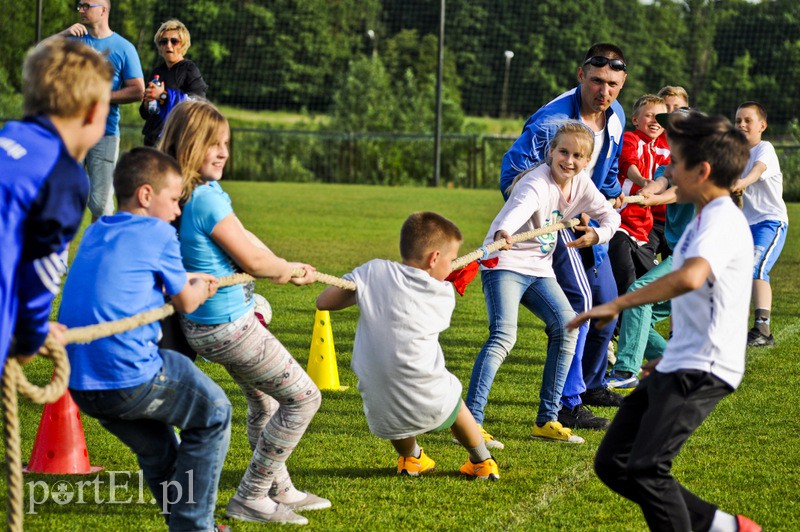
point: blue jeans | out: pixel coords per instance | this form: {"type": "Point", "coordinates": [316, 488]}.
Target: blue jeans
{"type": "Point", "coordinates": [183, 476]}
{"type": "Point", "coordinates": [504, 290]}
{"type": "Point", "coordinates": [100, 163]}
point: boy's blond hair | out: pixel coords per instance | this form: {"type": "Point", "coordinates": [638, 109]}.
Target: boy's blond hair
{"type": "Point", "coordinates": [423, 232]}
{"type": "Point", "coordinates": [64, 77]}
{"type": "Point", "coordinates": [647, 99]}
{"type": "Point", "coordinates": [180, 27]}
{"type": "Point", "coordinates": [675, 91]}
{"type": "Point", "coordinates": [142, 166]}
{"type": "Point", "coordinates": [191, 129]}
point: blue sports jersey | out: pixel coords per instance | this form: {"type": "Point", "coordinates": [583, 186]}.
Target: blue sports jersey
{"type": "Point", "coordinates": [43, 193]}
{"type": "Point", "coordinates": [122, 55]}
{"type": "Point", "coordinates": [121, 267]}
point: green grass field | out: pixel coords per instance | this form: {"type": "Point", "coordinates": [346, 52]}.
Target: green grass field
{"type": "Point", "coordinates": [744, 457]}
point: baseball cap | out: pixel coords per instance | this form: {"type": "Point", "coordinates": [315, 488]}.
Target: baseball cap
{"type": "Point", "coordinates": [663, 118]}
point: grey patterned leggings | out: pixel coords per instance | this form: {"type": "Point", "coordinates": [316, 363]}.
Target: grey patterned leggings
{"type": "Point", "coordinates": [281, 397]}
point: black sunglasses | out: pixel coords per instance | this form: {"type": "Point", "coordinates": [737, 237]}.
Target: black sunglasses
{"type": "Point", "coordinates": [174, 40]}
{"type": "Point", "coordinates": [601, 61]}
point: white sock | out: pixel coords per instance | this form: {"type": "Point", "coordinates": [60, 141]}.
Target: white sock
{"type": "Point", "coordinates": [723, 523]}
{"type": "Point", "coordinates": [291, 495]}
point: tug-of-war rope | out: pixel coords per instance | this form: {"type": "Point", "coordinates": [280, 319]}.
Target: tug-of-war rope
{"type": "Point", "coordinates": [14, 380]}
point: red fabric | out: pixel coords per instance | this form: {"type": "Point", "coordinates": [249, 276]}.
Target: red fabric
{"type": "Point", "coordinates": [461, 278]}
{"type": "Point", "coordinates": [646, 155]}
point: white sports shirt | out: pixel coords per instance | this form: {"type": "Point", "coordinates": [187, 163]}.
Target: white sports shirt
{"type": "Point", "coordinates": [710, 324]}
{"type": "Point", "coordinates": [396, 355]}
{"type": "Point", "coordinates": [763, 200]}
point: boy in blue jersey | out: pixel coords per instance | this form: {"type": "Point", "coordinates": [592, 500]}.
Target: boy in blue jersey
{"type": "Point", "coordinates": [43, 185]}
{"type": "Point", "coordinates": [125, 264]}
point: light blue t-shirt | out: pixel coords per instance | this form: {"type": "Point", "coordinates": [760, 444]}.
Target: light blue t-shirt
{"type": "Point", "coordinates": [208, 206]}
{"type": "Point", "coordinates": [123, 263]}
{"type": "Point", "coordinates": [123, 56]}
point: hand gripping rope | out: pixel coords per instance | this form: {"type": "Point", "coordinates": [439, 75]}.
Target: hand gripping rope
{"type": "Point", "coordinates": [14, 379]}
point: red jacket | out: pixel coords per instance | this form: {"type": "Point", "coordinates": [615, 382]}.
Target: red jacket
{"type": "Point", "coordinates": [646, 154]}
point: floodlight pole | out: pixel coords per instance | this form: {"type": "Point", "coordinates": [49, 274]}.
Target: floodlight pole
{"type": "Point", "coordinates": [437, 136]}
{"type": "Point", "coordinates": [38, 20]}
{"type": "Point", "coordinates": [509, 55]}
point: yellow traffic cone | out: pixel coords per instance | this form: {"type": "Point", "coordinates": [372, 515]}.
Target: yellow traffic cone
{"type": "Point", "coordinates": [322, 366]}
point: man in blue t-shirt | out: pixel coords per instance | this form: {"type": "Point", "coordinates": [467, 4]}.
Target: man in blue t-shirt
{"type": "Point", "coordinates": [128, 87]}
{"type": "Point", "coordinates": [43, 185]}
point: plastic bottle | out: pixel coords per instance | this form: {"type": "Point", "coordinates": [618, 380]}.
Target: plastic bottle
{"type": "Point", "coordinates": [152, 107]}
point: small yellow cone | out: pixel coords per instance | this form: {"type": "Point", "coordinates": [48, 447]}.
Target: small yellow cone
{"type": "Point", "coordinates": [322, 366]}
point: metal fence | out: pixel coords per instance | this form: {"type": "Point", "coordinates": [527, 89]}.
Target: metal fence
{"type": "Point", "coordinates": [468, 161]}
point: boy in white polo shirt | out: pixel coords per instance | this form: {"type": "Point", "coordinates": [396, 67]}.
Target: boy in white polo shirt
{"type": "Point", "coordinates": [763, 206]}
{"type": "Point", "coordinates": [704, 361]}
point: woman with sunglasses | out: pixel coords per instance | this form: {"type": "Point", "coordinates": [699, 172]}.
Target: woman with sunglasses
{"type": "Point", "coordinates": [179, 79]}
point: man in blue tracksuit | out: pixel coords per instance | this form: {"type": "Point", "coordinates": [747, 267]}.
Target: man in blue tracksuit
{"type": "Point", "coordinates": [585, 275]}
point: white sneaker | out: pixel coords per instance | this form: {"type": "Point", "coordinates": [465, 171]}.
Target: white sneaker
{"type": "Point", "coordinates": [309, 502]}
{"type": "Point", "coordinates": [262, 510]}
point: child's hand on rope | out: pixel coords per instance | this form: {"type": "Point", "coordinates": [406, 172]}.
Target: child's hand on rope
{"type": "Point", "coordinates": [212, 283]}
{"type": "Point", "coordinates": [309, 275]}
{"type": "Point", "coordinates": [500, 235]}
{"type": "Point", "coordinates": [589, 237]}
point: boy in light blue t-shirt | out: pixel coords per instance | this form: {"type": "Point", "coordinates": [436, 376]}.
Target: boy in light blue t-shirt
{"type": "Point", "coordinates": [138, 392]}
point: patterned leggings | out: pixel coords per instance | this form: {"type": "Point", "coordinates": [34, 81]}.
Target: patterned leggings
{"type": "Point", "coordinates": [281, 397]}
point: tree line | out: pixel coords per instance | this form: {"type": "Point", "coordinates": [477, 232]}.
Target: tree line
{"type": "Point", "coordinates": [312, 54]}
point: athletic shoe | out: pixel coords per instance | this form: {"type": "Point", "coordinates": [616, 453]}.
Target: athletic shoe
{"type": "Point", "coordinates": [486, 470]}
{"type": "Point", "coordinates": [601, 397]}
{"type": "Point", "coordinates": [756, 338]}
{"type": "Point", "coordinates": [623, 380]}
{"type": "Point", "coordinates": [262, 510]}
{"type": "Point", "coordinates": [747, 525]}
{"type": "Point", "coordinates": [221, 528]}
{"type": "Point", "coordinates": [553, 430]}
{"type": "Point", "coordinates": [581, 417]}
{"type": "Point", "coordinates": [262, 310]}
{"type": "Point", "coordinates": [413, 467]}
{"type": "Point", "coordinates": [309, 502]}
{"type": "Point", "coordinates": [491, 443]}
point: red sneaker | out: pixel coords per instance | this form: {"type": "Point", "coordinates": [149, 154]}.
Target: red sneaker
{"type": "Point", "coordinates": [746, 524]}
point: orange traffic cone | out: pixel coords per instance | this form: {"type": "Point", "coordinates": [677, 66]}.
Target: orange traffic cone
{"type": "Point", "coordinates": [60, 446]}
{"type": "Point", "coordinates": [322, 366]}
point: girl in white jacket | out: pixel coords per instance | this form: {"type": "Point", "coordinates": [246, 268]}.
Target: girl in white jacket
{"type": "Point", "coordinates": [541, 196]}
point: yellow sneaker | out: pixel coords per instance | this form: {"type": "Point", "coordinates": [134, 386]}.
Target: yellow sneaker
{"type": "Point", "coordinates": [486, 470]}
{"type": "Point", "coordinates": [553, 430]}
{"type": "Point", "coordinates": [408, 465]}
{"type": "Point", "coordinates": [491, 443]}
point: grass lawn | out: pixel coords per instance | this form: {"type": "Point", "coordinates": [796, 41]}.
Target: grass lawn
{"type": "Point", "coordinates": [744, 457]}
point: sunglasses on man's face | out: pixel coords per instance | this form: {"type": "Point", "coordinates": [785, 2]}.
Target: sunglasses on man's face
{"type": "Point", "coordinates": [601, 61]}
{"type": "Point", "coordinates": [174, 40]}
